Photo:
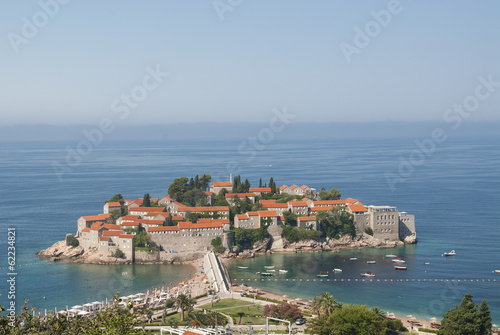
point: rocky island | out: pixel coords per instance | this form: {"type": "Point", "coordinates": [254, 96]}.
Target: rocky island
{"type": "Point", "coordinates": [232, 219]}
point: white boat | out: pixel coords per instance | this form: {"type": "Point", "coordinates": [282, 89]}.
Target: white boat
{"type": "Point", "coordinates": [371, 262]}
{"type": "Point", "coordinates": [283, 271]}
{"type": "Point", "coordinates": [391, 256]}
{"type": "Point", "coordinates": [271, 270]}
{"type": "Point", "coordinates": [337, 270]}
{"type": "Point", "coordinates": [398, 261]}
{"type": "Point", "coordinates": [353, 259]}
{"type": "Point", "coordinates": [451, 253]}
{"type": "Point", "coordinates": [243, 267]}
{"type": "Point", "coordinates": [368, 274]}
{"type": "Point", "coordinates": [267, 274]}
{"type": "Point", "coordinates": [269, 266]}
{"type": "Point", "coordinates": [400, 267]}
{"type": "Point", "coordinates": [497, 271]}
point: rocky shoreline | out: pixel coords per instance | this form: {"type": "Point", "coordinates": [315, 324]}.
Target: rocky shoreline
{"type": "Point", "coordinates": [273, 244]}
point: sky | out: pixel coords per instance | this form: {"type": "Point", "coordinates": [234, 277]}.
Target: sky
{"type": "Point", "coordinates": [155, 62]}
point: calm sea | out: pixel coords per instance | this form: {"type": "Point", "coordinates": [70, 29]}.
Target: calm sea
{"type": "Point", "coordinates": [453, 194]}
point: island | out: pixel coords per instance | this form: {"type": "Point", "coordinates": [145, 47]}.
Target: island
{"type": "Point", "coordinates": [232, 219]}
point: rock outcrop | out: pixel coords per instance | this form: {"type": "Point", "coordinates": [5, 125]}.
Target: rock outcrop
{"type": "Point", "coordinates": [60, 250]}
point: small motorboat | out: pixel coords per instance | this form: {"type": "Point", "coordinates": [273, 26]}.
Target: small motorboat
{"type": "Point", "coordinates": [322, 275]}
{"type": "Point", "coordinates": [337, 270]}
{"type": "Point", "coordinates": [497, 271]}
{"type": "Point", "coordinates": [371, 262]}
{"type": "Point", "coordinates": [451, 253]}
{"type": "Point", "coordinates": [271, 270]}
{"type": "Point", "coordinates": [391, 256]}
{"type": "Point", "coordinates": [367, 274]}
{"type": "Point", "coordinates": [353, 259]}
{"type": "Point", "coordinates": [267, 274]}
{"type": "Point", "coordinates": [400, 267]}
{"type": "Point", "coordinates": [269, 266]}
{"type": "Point", "coordinates": [243, 267]}
{"type": "Point", "coordinates": [283, 271]}
{"type": "Point", "coordinates": [426, 263]}
{"type": "Point", "coordinates": [398, 261]}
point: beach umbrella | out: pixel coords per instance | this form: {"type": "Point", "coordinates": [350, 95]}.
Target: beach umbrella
{"type": "Point", "coordinates": [494, 326]}
{"type": "Point", "coordinates": [83, 313]}
{"type": "Point", "coordinates": [97, 303]}
{"type": "Point", "coordinates": [434, 319]}
{"type": "Point", "coordinates": [410, 316]}
{"type": "Point", "coordinates": [76, 307]}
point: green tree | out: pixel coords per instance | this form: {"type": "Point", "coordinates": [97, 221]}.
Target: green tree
{"type": "Point", "coordinates": [72, 241]}
{"type": "Point", "coordinates": [241, 315]}
{"type": "Point", "coordinates": [118, 254]}
{"type": "Point", "coordinates": [466, 319]}
{"type": "Point", "coordinates": [116, 198]}
{"type": "Point", "coordinates": [184, 303]}
{"type": "Point", "coordinates": [369, 231]}
{"type": "Point", "coordinates": [290, 218]}
{"type": "Point", "coordinates": [146, 201]}
{"type": "Point", "coordinates": [142, 239]}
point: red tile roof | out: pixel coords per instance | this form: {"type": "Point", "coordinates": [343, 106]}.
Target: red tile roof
{"type": "Point", "coordinates": [321, 209]}
{"type": "Point", "coordinates": [114, 204]}
{"type": "Point", "coordinates": [222, 184]}
{"type": "Point", "coordinates": [241, 216]}
{"type": "Point", "coordinates": [177, 218]}
{"type": "Point", "coordinates": [87, 230]}
{"type": "Point", "coordinates": [130, 224]}
{"type": "Point", "coordinates": [205, 209]}
{"type": "Point", "coordinates": [276, 205]}
{"type": "Point", "coordinates": [303, 187]}
{"type": "Point", "coordinates": [96, 227]}
{"type": "Point", "coordinates": [126, 236]}
{"type": "Point", "coordinates": [298, 203]}
{"type": "Point", "coordinates": [240, 195]}
{"type": "Point", "coordinates": [207, 193]}
{"type": "Point", "coordinates": [164, 228]}
{"type": "Point", "coordinates": [282, 187]}
{"type": "Point", "coordinates": [262, 202]}
{"type": "Point", "coordinates": [267, 214]}
{"type": "Point", "coordinates": [307, 218]}
{"type": "Point", "coordinates": [146, 209]}
{"type": "Point", "coordinates": [112, 226]}
{"type": "Point", "coordinates": [98, 217]}
{"type": "Point", "coordinates": [260, 189]}
{"type": "Point", "coordinates": [103, 238]}
{"type": "Point", "coordinates": [210, 220]}
{"type": "Point", "coordinates": [253, 213]}
{"type": "Point", "coordinates": [350, 200]}
{"type": "Point", "coordinates": [293, 186]}
{"type": "Point", "coordinates": [357, 208]}
{"type": "Point", "coordinates": [164, 214]}
{"type": "Point", "coordinates": [151, 222]}
{"type": "Point", "coordinates": [190, 225]}
{"type": "Point", "coordinates": [130, 217]}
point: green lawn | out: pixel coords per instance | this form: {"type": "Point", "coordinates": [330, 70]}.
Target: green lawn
{"type": "Point", "coordinates": [226, 303]}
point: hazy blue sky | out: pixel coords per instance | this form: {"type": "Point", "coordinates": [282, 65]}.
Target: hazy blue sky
{"type": "Point", "coordinates": [263, 55]}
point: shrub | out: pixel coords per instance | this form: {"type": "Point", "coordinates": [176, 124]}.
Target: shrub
{"type": "Point", "coordinates": [72, 241]}
{"type": "Point", "coordinates": [425, 330]}
{"type": "Point", "coordinates": [118, 254]}
{"type": "Point", "coordinates": [369, 231]}
{"type": "Point", "coordinates": [219, 249]}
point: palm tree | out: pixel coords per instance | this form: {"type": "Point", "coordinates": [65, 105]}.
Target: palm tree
{"type": "Point", "coordinates": [149, 315]}
{"type": "Point", "coordinates": [183, 302]}
{"type": "Point", "coordinates": [317, 305]}
{"type": "Point", "coordinates": [196, 319]}
{"type": "Point", "coordinates": [328, 303]}
{"type": "Point", "coordinates": [241, 315]}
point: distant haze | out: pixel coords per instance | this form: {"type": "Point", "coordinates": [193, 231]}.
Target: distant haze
{"type": "Point", "coordinates": [170, 62]}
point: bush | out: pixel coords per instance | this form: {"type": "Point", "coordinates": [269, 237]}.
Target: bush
{"type": "Point", "coordinates": [219, 249]}
{"type": "Point", "coordinates": [118, 254]}
{"type": "Point", "coordinates": [72, 241]}
{"type": "Point", "coordinates": [425, 330]}
{"type": "Point", "coordinates": [248, 237]}
{"type": "Point", "coordinates": [369, 231]}
{"type": "Point", "coordinates": [299, 234]}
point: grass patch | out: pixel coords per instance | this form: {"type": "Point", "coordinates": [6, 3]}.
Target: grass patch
{"type": "Point", "coordinates": [426, 330]}
{"type": "Point", "coordinates": [224, 303]}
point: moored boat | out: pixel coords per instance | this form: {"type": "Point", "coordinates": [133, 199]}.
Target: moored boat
{"type": "Point", "coordinates": [451, 253]}
{"type": "Point", "coordinates": [337, 270]}
{"type": "Point", "coordinates": [267, 274]}
{"type": "Point", "coordinates": [243, 267]}
{"type": "Point", "coordinates": [353, 259]}
{"type": "Point", "coordinates": [283, 271]}
{"type": "Point", "coordinates": [271, 270]}
{"type": "Point", "coordinates": [400, 267]}
{"type": "Point", "coordinates": [497, 271]}
{"type": "Point", "coordinates": [322, 275]}
{"type": "Point", "coordinates": [368, 274]}
{"type": "Point", "coordinates": [391, 256]}
{"type": "Point", "coordinates": [371, 262]}
{"type": "Point", "coordinates": [398, 261]}
{"type": "Point", "coordinates": [269, 266]}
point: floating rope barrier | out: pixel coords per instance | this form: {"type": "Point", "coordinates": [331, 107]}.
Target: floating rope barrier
{"type": "Point", "coordinates": [372, 280]}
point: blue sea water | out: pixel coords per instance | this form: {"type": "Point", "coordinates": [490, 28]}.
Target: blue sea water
{"type": "Point", "coordinates": [453, 194]}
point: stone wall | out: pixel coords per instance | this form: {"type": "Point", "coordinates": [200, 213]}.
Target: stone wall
{"type": "Point", "coordinates": [179, 242]}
